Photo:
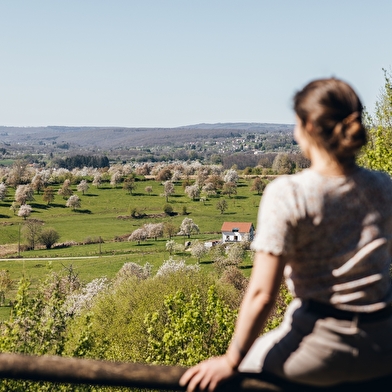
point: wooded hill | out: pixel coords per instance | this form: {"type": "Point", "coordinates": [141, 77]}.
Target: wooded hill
{"type": "Point", "coordinates": [110, 138]}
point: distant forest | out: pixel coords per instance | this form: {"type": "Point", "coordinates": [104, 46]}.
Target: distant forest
{"type": "Point", "coordinates": [82, 161]}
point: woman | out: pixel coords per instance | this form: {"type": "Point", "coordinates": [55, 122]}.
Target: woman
{"type": "Point", "coordinates": [328, 229]}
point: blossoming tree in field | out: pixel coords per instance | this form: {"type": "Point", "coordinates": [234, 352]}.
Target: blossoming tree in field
{"type": "Point", "coordinates": [74, 202]}
{"type": "Point", "coordinates": [24, 211]}
{"type": "Point", "coordinates": [188, 227]}
{"type": "Point", "coordinates": [83, 186]}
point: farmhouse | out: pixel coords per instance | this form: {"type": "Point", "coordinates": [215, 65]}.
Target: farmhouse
{"type": "Point", "coordinates": [237, 231]}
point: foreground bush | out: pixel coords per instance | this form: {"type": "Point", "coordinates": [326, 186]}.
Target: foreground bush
{"type": "Point", "coordinates": [122, 315]}
{"type": "Point", "coordinates": [38, 326]}
{"type": "Point", "coordinates": [188, 329]}
{"type": "Point", "coordinates": [179, 316]}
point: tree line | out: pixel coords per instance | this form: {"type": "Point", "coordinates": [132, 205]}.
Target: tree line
{"type": "Point", "coordinates": [75, 161]}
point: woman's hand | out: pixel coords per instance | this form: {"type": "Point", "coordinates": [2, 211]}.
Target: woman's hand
{"type": "Point", "coordinates": [207, 375]}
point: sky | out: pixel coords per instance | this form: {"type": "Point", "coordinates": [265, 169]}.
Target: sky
{"type": "Point", "coordinates": [169, 63]}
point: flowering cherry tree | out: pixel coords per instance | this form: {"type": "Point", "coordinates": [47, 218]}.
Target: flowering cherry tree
{"type": "Point", "coordinates": [74, 202]}
{"type": "Point", "coordinates": [24, 211]}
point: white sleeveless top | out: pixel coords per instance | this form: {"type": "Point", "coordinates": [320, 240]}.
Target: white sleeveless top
{"type": "Point", "coordinates": [336, 234]}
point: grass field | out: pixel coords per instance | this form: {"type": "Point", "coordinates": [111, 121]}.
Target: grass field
{"type": "Point", "coordinates": [100, 209]}
{"type": "Point", "coordinates": [99, 217]}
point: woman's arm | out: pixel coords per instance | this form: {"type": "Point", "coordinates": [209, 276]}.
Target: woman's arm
{"type": "Point", "coordinates": [257, 303]}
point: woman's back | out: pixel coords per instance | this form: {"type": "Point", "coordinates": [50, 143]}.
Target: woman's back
{"type": "Point", "coordinates": [335, 232]}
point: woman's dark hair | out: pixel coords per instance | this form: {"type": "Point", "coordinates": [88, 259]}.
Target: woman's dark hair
{"type": "Point", "coordinates": [335, 111]}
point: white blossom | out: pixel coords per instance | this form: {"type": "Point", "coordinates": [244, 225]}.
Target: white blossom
{"type": "Point", "coordinates": [24, 211]}
{"type": "Point", "coordinates": [84, 299]}
{"type": "Point", "coordinates": [3, 191]}
{"type": "Point", "coordinates": [131, 269]}
{"type": "Point", "coordinates": [231, 176]}
{"type": "Point", "coordinates": [138, 235]}
{"type": "Point", "coordinates": [193, 191]}
{"type": "Point", "coordinates": [172, 266]}
{"type": "Point", "coordinates": [73, 202]}
{"type": "Point", "coordinates": [188, 227]}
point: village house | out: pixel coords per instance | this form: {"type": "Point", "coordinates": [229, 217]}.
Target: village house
{"type": "Point", "coordinates": [237, 231]}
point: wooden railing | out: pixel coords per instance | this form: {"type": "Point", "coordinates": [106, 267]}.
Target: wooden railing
{"type": "Point", "coordinates": [92, 372]}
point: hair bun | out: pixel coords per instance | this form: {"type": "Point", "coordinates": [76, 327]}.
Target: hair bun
{"type": "Point", "coordinates": [349, 135]}
{"type": "Point", "coordinates": [351, 117]}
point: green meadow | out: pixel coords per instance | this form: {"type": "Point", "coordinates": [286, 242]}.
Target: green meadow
{"type": "Point", "coordinates": [106, 212]}
{"type": "Point", "coordinates": [101, 208]}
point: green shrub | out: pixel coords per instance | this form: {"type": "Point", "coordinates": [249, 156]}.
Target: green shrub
{"type": "Point", "coordinates": [282, 301]}
{"type": "Point", "coordinates": [189, 329]}
{"type": "Point", "coordinates": [38, 326]}
{"type": "Point", "coordinates": [119, 314]}
{"type": "Point", "coordinates": [48, 237]}
{"type": "Point", "coordinates": [168, 209]}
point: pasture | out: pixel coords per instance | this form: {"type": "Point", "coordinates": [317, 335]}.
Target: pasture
{"type": "Point", "coordinates": [106, 212]}
{"type": "Point", "coordinates": [101, 208]}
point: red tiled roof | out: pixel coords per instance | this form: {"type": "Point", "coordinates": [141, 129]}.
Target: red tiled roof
{"type": "Point", "coordinates": [242, 227]}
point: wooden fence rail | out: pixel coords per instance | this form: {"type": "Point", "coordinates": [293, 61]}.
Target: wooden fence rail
{"type": "Point", "coordinates": [104, 373]}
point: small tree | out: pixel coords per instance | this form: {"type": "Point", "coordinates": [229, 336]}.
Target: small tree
{"type": "Point", "coordinates": [115, 178]}
{"type": "Point", "coordinates": [32, 230]}
{"type": "Point", "coordinates": [133, 270]}
{"type": "Point", "coordinates": [168, 189]}
{"type": "Point", "coordinates": [170, 246]}
{"type": "Point", "coordinates": [129, 185]}
{"type": "Point", "coordinates": [258, 185]}
{"type": "Point", "coordinates": [217, 252]}
{"type": "Point", "coordinates": [48, 237]}
{"type": "Point", "coordinates": [164, 174]}
{"type": "Point", "coordinates": [193, 191]}
{"type": "Point", "coordinates": [138, 235]}
{"type": "Point", "coordinates": [143, 170]}
{"type": "Point", "coordinates": [188, 227]}
{"type": "Point", "coordinates": [24, 193]}
{"type": "Point", "coordinates": [283, 164]}
{"type": "Point", "coordinates": [229, 188]}
{"type": "Point", "coordinates": [236, 254]}
{"type": "Point", "coordinates": [221, 205]}
{"type": "Point", "coordinates": [38, 183]}
{"type": "Point", "coordinates": [3, 191]}
{"type": "Point", "coordinates": [83, 186]}
{"type": "Point", "coordinates": [169, 229]}
{"type": "Point", "coordinates": [198, 250]}
{"type": "Point", "coordinates": [201, 177]}
{"type": "Point", "coordinates": [24, 211]}
{"type": "Point", "coordinates": [73, 202]}
{"type": "Point", "coordinates": [209, 189]}
{"type": "Point", "coordinates": [216, 180]}
{"type": "Point", "coordinates": [168, 209]}
{"type": "Point", "coordinates": [231, 176]}
{"type": "Point", "coordinates": [18, 173]}
{"type": "Point", "coordinates": [154, 230]}
{"type": "Point", "coordinates": [14, 207]}
{"type": "Point", "coordinates": [65, 191]}
{"type": "Point", "coordinates": [176, 176]}
{"type": "Point", "coordinates": [48, 195]}
{"type": "Point", "coordinates": [97, 181]}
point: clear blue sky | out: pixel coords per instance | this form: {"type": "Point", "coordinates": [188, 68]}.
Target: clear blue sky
{"type": "Point", "coordinates": [167, 63]}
